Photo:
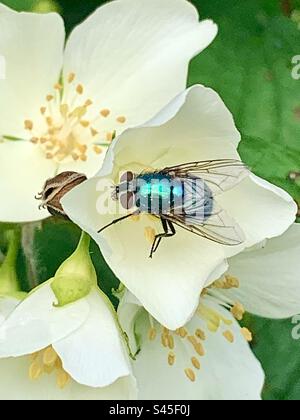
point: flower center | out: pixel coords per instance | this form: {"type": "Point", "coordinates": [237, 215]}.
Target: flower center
{"type": "Point", "coordinates": [210, 319]}
{"type": "Point", "coordinates": [70, 124]}
{"type": "Point", "coordinates": [47, 362]}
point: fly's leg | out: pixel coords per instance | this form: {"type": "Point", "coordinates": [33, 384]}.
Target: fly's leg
{"type": "Point", "coordinates": [169, 231]}
{"type": "Point", "coordinates": [119, 220]}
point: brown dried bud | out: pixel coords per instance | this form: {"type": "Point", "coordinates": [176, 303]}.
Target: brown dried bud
{"type": "Point", "coordinates": [55, 188]}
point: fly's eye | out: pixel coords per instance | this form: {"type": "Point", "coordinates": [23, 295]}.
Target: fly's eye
{"type": "Point", "coordinates": [127, 177]}
{"type": "Point", "coordinates": [127, 200]}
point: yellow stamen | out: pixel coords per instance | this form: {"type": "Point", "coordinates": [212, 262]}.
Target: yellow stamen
{"type": "Point", "coordinates": [49, 356]}
{"type": "Point", "coordinates": [152, 334]}
{"type": "Point", "coordinates": [64, 110]}
{"type": "Point", "coordinates": [109, 137]}
{"type": "Point", "coordinates": [105, 113]}
{"type": "Point", "coordinates": [229, 336]}
{"type": "Point", "coordinates": [171, 358]}
{"type": "Point", "coordinates": [238, 311]}
{"type": "Point", "coordinates": [97, 149]}
{"type": "Point", "coordinates": [195, 363]}
{"type": "Point", "coordinates": [232, 282]}
{"type": "Point", "coordinates": [171, 343]}
{"type": "Point", "coordinates": [183, 332]}
{"type": "Point", "coordinates": [190, 374]}
{"type": "Point", "coordinates": [62, 378]}
{"type": "Point", "coordinates": [43, 109]}
{"type": "Point", "coordinates": [93, 132]}
{"type": "Point", "coordinates": [84, 123]}
{"type": "Point", "coordinates": [200, 334]}
{"type": "Point", "coordinates": [28, 124]}
{"type": "Point", "coordinates": [121, 120]}
{"type": "Point", "coordinates": [79, 89]}
{"type": "Point", "coordinates": [149, 234]}
{"type": "Point", "coordinates": [247, 334]}
{"type": "Point", "coordinates": [35, 371]}
{"type": "Point", "coordinates": [71, 77]}
{"type": "Point", "coordinates": [49, 98]}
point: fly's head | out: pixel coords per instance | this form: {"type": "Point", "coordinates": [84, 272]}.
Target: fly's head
{"type": "Point", "coordinates": [125, 191]}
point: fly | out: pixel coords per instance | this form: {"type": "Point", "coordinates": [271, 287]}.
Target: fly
{"type": "Point", "coordinates": [184, 196]}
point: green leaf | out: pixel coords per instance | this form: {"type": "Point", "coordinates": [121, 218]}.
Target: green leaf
{"type": "Point", "coordinates": [249, 65]}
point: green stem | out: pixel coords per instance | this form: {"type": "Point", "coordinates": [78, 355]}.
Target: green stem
{"type": "Point", "coordinates": [28, 233]}
{"type": "Point", "coordinates": [8, 277]}
{"type": "Point", "coordinates": [84, 242]}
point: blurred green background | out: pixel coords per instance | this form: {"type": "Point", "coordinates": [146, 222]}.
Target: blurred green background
{"type": "Point", "coordinates": [250, 66]}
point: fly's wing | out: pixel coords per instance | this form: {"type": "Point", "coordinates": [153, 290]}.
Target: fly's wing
{"type": "Point", "coordinates": [218, 227]}
{"type": "Point", "coordinates": [201, 214]}
{"type": "Point", "coordinates": [219, 175]}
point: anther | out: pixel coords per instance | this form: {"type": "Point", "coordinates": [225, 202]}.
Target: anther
{"type": "Point", "coordinates": [190, 374]}
{"type": "Point", "coordinates": [238, 311]}
{"type": "Point", "coordinates": [93, 132]}
{"type": "Point", "coordinates": [71, 77]}
{"type": "Point", "coordinates": [195, 362]}
{"type": "Point", "coordinates": [105, 113]}
{"type": "Point", "coordinates": [229, 336]}
{"type": "Point", "coordinates": [171, 343]}
{"type": "Point", "coordinates": [121, 120]}
{"type": "Point", "coordinates": [152, 334]}
{"type": "Point", "coordinates": [35, 371]}
{"type": "Point", "coordinates": [28, 124]}
{"type": "Point", "coordinates": [149, 234]}
{"type": "Point", "coordinates": [200, 334]}
{"type": "Point", "coordinates": [171, 358]}
{"type": "Point", "coordinates": [79, 89]}
{"type": "Point", "coordinates": [49, 356]}
{"type": "Point", "coordinates": [84, 123]}
{"type": "Point", "coordinates": [97, 150]}
{"type": "Point", "coordinates": [62, 378]}
{"type": "Point", "coordinates": [247, 334]}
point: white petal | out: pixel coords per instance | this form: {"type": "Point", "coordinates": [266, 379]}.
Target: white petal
{"type": "Point", "coordinates": [128, 311]}
{"type": "Point", "coordinates": [269, 277]}
{"type": "Point", "coordinates": [23, 172]}
{"type": "Point", "coordinates": [195, 126]}
{"type": "Point", "coordinates": [7, 305]}
{"type": "Point", "coordinates": [16, 385]}
{"type": "Point", "coordinates": [260, 208]}
{"type": "Point", "coordinates": [229, 371]}
{"type": "Point", "coordinates": [132, 56]}
{"type": "Point", "coordinates": [32, 45]}
{"type": "Point", "coordinates": [36, 323]}
{"type": "Point", "coordinates": [169, 284]}
{"type": "Point", "coordinates": [95, 354]}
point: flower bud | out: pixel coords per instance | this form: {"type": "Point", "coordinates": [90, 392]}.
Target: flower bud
{"type": "Point", "coordinates": [76, 276]}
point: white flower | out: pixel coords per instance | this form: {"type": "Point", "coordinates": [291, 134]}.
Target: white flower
{"type": "Point", "coordinates": [68, 326]}
{"type": "Point", "coordinates": [209, 358]}
{"type": "Point", "coordinates": [60, 107]}
{"type": "Point", "coordinates": [196, 126]}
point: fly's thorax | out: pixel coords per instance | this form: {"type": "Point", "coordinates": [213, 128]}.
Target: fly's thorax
{"type": "Point", "coordinates": [158, 193]}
